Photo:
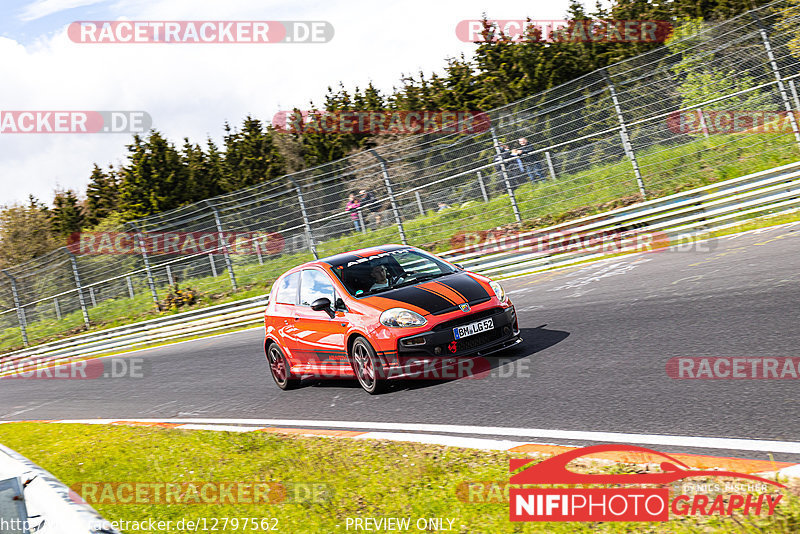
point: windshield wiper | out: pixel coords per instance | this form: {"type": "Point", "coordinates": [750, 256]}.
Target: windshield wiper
{"type": "Point", "coordinates": [380, 290]}
{"type": "Point", "coordinates": [418, 279]}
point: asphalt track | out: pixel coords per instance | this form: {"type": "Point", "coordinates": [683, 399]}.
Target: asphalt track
{"type": "Point", "coordinates": [597, 339]}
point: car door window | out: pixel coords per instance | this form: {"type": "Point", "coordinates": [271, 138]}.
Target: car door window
{"type": "Point", "coordinates": [315, 285]}
{"type": "Point", "coordinates": [287, 289]}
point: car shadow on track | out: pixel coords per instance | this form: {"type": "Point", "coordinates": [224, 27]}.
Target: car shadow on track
{"type": "Point", "coordinates": [506, 363]}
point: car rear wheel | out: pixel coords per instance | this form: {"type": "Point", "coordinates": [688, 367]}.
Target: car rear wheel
{"type": "Point", "coordinates": [367, 367]}
{"type": "Point", "coordinates": [279, 366]}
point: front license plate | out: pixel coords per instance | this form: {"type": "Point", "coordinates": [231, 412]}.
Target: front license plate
{"type": "Point", "coordinates": [473, 328]}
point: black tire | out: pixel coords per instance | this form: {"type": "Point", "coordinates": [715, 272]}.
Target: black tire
{"type": "Point", "coordinates": [279, 367]}
{"type": "Point", "coordinates": [367, 367]}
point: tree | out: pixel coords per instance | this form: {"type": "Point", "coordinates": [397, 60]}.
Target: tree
{"type": "Point", "coordinates": [102, 195]}
{"type": "Point", "coordinates": [25, 233]}
{"type": "Point", "coordinates": [67, 215]}
{"type": "Point", "coordinates": [154, 179]}
{"type": "Point", "coordinates": [203, 171]}
{"type": "Point", "coordinates": [251, 156]}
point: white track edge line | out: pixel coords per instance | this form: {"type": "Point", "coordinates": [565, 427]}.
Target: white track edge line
{"type": "Point", "coordinates": [743, 444]}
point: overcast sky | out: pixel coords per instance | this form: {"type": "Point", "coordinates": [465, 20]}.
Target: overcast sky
{"type": "Point", "coordinates": [192, 89]}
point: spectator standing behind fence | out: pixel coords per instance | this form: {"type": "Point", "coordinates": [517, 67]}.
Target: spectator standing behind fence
{"type": "Point", "coordinates": [504, 157]}
{"type": "Point", "coordinates": [353, 207]}
{"type": "Point", "coordinates": [516, 172]}
{"type": "Point", "coordinates": [371, 204]}
{"type": "Point", "coordinates": [528, 160]}
{"type": "Point", "coordinates": [508, 159]}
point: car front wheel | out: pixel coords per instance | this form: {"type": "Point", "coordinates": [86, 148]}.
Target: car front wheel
{"type": "Point", "coordinates": [367, 367]}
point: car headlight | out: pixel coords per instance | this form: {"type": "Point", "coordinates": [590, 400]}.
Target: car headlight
{"type": "Point", "coordinates": [402, 318]}
{"type": "Point", "coordinates": [498, 290]}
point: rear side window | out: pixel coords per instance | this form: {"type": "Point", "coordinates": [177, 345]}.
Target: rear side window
{"type": "Point", "coordinates": [287, 289]}
{"type": "Point", "coordinates": [316, 285]}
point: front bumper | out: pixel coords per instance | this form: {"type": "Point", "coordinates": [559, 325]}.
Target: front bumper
{"type": "Point", "coordinates": [440, 340]}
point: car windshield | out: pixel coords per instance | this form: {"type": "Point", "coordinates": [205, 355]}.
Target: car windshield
{"type": "Point", "coordinates": [389, 270]}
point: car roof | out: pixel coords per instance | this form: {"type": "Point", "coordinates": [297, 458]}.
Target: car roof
{"type": "Point", "coordinates": [354, 255]}
{"type": "Point", "coordinates": [346, 257]}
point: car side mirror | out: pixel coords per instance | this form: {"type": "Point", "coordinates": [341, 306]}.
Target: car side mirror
{"type": "Point", "coordinates": [321, 304]}
{"type": "Point", "coordinates": [459, 266]}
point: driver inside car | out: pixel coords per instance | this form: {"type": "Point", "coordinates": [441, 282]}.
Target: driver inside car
{"type": "Point", "coordinates": [379, 275]}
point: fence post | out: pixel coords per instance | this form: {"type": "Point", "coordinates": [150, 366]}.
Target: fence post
{"type": "Point", "coordinates": [91, 296]}
{"type": "Point", "coordinates": [221, 238]}
{"type": "Point", "coordinates": [309, 235]}
{"type": "Point", "coordinates": [76, 275]}
{"type": "Point", "coordinates": [23, 323]}
{"type": "Point", "coordinates": [703, 126]}
{"type": "Point", "coordinates": [169, 276]}
{"type": "Point", "coordinates": [258, 252]}
{"type": "Point", "coordinates": [623, 132]}
{"type": "Point", "coordinates": [794, 95]}
{"type": "Point", "coordinates": [392, 201]}
{"type": "Point", "coordinates": [550, 164]}
{"type": "Point", "coordinates": [130, 286]}
{"type": "Point", "coordinates": [419, 203]}
{"type": "Point", "coordinates": [213, 263]}
{"type": "Point", "coordinates": [360, 213]}
{"type": "Point", "coordinates": [483, 187]}
{"type": "Point", "coordinates": [150, 282]}
{"type": "Point", "coordinates": [777, 73]}
{"type": "Point", "coordinates": [504, 173]}
{"type": "Point", "coordinates": [58, 308]}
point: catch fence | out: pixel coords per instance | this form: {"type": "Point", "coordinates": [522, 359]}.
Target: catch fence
{"type": "Point", "coordinates": [672, 118]}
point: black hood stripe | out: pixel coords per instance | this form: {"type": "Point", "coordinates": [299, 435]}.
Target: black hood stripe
{"type": "Point", "coordinates": [433, 290]}
{"type": "Point", "coordinates": [466, 285]}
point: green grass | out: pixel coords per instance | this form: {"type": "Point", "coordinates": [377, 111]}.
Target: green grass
{"type": "Point", "coordinates": [603, 186]}
{"type": "Point", "coordinates": [361, 478]}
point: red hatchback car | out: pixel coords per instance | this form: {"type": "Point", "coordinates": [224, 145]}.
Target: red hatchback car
{"type": "Point", "coordinates": [372, 313]}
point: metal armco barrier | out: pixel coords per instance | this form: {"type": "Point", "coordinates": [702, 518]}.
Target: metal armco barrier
{"type": "Point", "coordinates": [705, 209]}
{"type": "Point", "coordinates": [46, 504]}
{"type": "Point", "coordinates": [188, 324]}
{"type": "Point", "coordinates": [713, 207]}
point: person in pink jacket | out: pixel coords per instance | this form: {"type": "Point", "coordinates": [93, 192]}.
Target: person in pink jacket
{"type": "Point", "coordinates": [353, 207]}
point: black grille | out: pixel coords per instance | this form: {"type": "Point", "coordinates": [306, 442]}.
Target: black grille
{"type": "Point", "coordinates": [449, 325]}
{"type": "Point", "coordinates": [478, 340]}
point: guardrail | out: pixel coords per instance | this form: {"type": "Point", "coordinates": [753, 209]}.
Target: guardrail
{"type": "Point", "coordinates": [35, 498]}
{"type": "Point", "coordinates": [713, 207]}
{"type": "Point", "coordinates": [236, 314]}
{"type": "Point", "coordinates": [672, 218]}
